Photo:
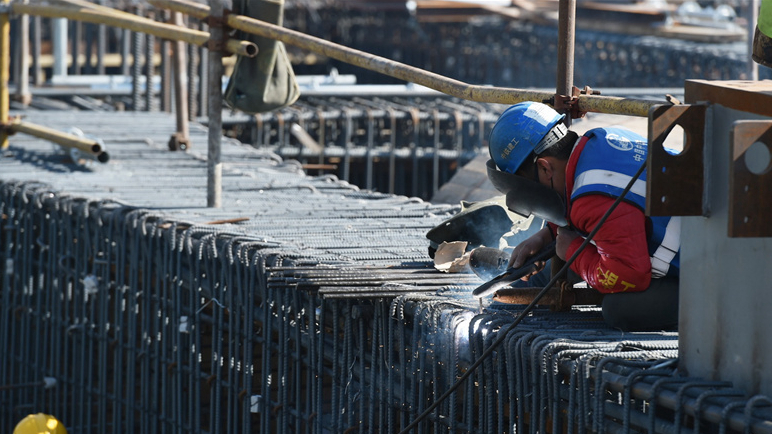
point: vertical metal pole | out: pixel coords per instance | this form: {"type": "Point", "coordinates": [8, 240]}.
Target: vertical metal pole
{"type": "Point", "coordinates": [37, 42]}
{"type": "Point", "coordinates": [89, 31]}
{"type": "Point", "coordinates": [566, 31]}
{"type": "Point", "coordinates": [436, 156]}
{"type": "Point", "coordinates": [180, 86]}
{"type": "Point", "coordinates": [149, 67]}
{"type": "Point", "coordinates": [77, 35]}
{"type": "Point", "coordinates": [214, 165]}
{"type": "Point", "coordinates": [60, 46]}
{"type": "Point", "coordinates": [5, 70]}
{"type": "Point", "coordinates": [753, 19]}
{"type": "Point", "coordinates": [136, 67]}
{"type": "Point", "coordinates": [126, 39]}
{"type": "Point", "coordinates": [101, 48]}
{"type": "Point", "coordinates": [101, 45]}
{"type": "Point", "coordinates": [166, 69]}
{"type": "Point", "coordinates": [203, 77]}
{"type": "Point", "coordinates": [565, 73]}
{"type": "Point", "coordinates": [192, 78]}
{"type": "Point", "coordinates": [22, 87]}
{"type": "Point", "coordinates": [392, 150]}
{"type": "Point", "coordinates": [369, 154]}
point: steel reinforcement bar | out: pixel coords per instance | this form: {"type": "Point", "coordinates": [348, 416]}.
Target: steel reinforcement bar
{"type": "Point", "coordinates": [151, 324]}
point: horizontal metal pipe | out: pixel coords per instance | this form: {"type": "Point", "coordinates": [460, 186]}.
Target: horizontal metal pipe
{"type": "Point", "coordinates": [195, 10]}
{"type": "Point", "coordinates": [124, 20]}
{"type": "Point", "coordinates": [90, 147]}
{"type": "Point", "coordinates": [487, 94]}
{"type": "Point", "coordinates": [242, 48]}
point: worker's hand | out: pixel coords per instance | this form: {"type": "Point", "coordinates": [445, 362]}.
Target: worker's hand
{"type": "Point", "coordinates": [528, 248]}
{"type": "Point", "coordinates": [564, 239]}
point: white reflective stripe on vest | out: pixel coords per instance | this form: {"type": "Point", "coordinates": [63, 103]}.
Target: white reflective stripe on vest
{"type": "Point", "coordinates": [607, 177]}
{"type": "Point", "coordinates": [671, 243]}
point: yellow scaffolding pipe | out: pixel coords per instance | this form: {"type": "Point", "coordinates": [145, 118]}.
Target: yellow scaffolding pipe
{"type": "Point", "coordinates": [5, 71]}
{"type": "Point", "coordinates": [115, 18]}
{"type": "Point", "coordinates": [487, 94]}
{"type": "Point", "coordinates": [88, 146]}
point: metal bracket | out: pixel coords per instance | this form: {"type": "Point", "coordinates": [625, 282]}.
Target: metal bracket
{"type": "Point", "coordinates": [179, 142]}
{"type": "Point", "coordinates": [7, 127]}
{"type": "Point", "coordinates": [219, 22]}
{"type": "Point", "coordinates": [676, 182]}
{"type": "Point", "coordinates": [567, 104]}
{"type": "Point", "coordinates": [750, 212]}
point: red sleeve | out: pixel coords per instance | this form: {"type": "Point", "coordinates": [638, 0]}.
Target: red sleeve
{"type": "Point", "coordinates": [619, 261]}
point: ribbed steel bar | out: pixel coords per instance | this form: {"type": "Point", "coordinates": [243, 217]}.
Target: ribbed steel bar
{"type": "Point", "coordinates": [165, 315]}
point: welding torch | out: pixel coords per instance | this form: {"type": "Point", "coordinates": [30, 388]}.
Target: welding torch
{"type": "Point", "coordinates": [512, 274]}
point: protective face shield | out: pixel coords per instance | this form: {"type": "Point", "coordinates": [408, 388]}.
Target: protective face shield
{"type": "Point", "coordinates": [527, 197]}
{"type": "Point", "coordinates": [523, 130]}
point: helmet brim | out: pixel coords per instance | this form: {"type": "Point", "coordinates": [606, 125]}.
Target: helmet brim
{"type": "Point", "coordinates": [527, 197]}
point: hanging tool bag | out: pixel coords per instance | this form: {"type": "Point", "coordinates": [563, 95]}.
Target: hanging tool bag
{"type": "Point", "coordinates": [762, 40]}
{"type": "Point", "coordinates": [265, 82]}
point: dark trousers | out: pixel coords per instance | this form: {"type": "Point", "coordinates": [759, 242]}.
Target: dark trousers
{"type": "Point", "coordinates": [656, 308]}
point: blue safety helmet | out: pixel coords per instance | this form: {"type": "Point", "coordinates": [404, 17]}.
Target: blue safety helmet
{"type": "Point", "coordinates": [522, 129]}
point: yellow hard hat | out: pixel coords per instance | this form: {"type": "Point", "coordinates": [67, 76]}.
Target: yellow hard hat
{"type": "Point", "coordinates": [39, 424]}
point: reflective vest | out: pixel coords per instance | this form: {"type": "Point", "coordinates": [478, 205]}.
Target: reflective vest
{"type": "Point", "coordinates": [607, 163]}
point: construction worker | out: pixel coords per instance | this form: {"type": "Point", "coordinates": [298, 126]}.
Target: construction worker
{"type": "Point", "coordinates": [633, 259]}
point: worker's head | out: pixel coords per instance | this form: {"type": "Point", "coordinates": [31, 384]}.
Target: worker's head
{"type": "Point", "coordinates": [528, 138]}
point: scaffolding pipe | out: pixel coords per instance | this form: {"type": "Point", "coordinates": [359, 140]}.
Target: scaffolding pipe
{"type": "Point", "coordinates": [37, 36]}
{"type": "Point", "coordinates": [75, 44]}
{"type": "Point", "coordinates": [214, 165]}
{"type": "Point", "coordinates": [485, 94]}
{"type": "Point", "coordinates": [5, 70]}
{"type": "Point", "coordinates": [115, 18]}
{"type": "Point", "coordinates": [23, 94]}
{"type": "Point", "coordinates": [88, 146]}
{"type": "Point", "coordinates": [566, 34]}
{"type": "Point", "coordinates": [149, 68]}
{"type": "Point", "coordinates": [180, 86]}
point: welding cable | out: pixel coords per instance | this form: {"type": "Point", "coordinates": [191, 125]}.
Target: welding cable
{"type": "Point", "coordinates": [502, 335]}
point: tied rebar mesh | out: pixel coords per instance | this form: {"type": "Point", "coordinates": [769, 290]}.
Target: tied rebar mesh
{"type": "Point", "coordinates": [126, 307]}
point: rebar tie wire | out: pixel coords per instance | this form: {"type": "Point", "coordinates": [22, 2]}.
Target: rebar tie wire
{"type": "Point", "coordinates": [502, 336]}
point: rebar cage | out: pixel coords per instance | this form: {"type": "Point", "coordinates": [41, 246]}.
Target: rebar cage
{"type": "Point", "coordinates": [318, 313]}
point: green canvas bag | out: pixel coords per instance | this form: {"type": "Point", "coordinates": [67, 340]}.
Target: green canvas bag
{"type": "Point", "coordinates": [265, 82]}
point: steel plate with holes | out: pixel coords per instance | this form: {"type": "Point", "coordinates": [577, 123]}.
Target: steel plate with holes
{"type": "Point", "coordinates": [750, 180]}
{"type": "Point", "coordinates": [685, 170]}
